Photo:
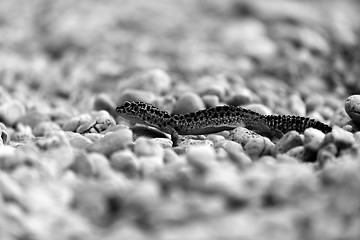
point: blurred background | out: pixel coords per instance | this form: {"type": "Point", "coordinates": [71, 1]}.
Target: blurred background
{"type": "Point", "coordinates": [88, 41]}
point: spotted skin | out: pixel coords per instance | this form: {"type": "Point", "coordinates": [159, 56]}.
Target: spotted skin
{"type": "Point", "coordinates": [216, 119]}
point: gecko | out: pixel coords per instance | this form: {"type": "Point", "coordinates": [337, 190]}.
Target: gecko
{"type": "Point", "coordinates": [216, 119]}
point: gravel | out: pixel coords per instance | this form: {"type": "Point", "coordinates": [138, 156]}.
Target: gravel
{"type": "Point", "coordinates": [71, 168]}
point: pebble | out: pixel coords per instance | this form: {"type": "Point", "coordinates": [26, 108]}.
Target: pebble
{"type": "Point", "coordinates": [146, 147]}
{"type": "Point", "coordinates": [163, 142]}
{"type": "Point", "coordinates": [229, 146]}
{"type": "Point", "coordinates": [86, 124]}
{"type": "Point", "coordinates": [213, 90]}
{"type": "Point", "coordinates": [288, 141]}
{"type": "Point", "coordinates": [194, 142]}
{"type": "Point", "coordinates": [170, 157]}
{"type": "Point", "coordinates": [82, 165]}
{"type": "Point", "coordinates": [297, 105]}
{"type": "Point", "coordinates": [103, 121]}
{"type": "Point", "coordinates": [210, 100]}
{"type": "Point", "coordinates": [150, 155]}
{"type": "Point", "coordinates": [94, 137]}
{"type": "Point", "coordinates": [151, 165]}
{"type": "Point", "coordinates": [244, 97]}
{"type": "Point", "coordinates": [112, 142]}
{"type": "Point", "coordinates": [258, 147]}
{"type": "Point", "coordinates": [341, 137]}
{"type": "Point", "coordinates": [5, 138]}
{"type": "Point", "coordinates": [201, 157]}
{"type": "Point", "coordinates": [352, 107]}
{"type": "Point", "coordinates": [11, 112]}
{"type": "Point", "coordinates": [243, 135]}
{"type": "Point", "coordinates": [156, 81]}
{"type": "Point", "coordinates": [72, 124]}
{"type": "Point", "coordinates": [33, 118]}
{"type": "Point", "coordinates": [77, 140]}
{"type": "Point", "coordinates": [313, 139]}
{"type": "Point", "coordinates": [188, 102]}
{"type": "Point", "coordinates": [313, 102]}
{"type": "Point", "coordinates": [104, 102]}
{"type": "Point", "coordinates": [215, 138]}
{"type": "Point", "coordinates": [237, 156]}
{"type": "Point", "coordinates": [126, 162]}
{"type": "Point", "coordinates": [326, 155]}
{"type": "Point", "coordinates": [135, 95]}
{"type": "Point", "coordinates": [340, 118]}
{"type": "Point", "coordinates": [100, 165]}
{"type": "Point", "coordinates": [259, 108]}
{"type": "Point", "coordinates": [44, 128]}
{"type": "Point", "coordinates": [23, 135]}
{"type": "Point", "coordinates": [357, 137]}
{"type": "Point", "coordinates": [10, 189]}
{"type": "Point", "coordinates": [297, 152]}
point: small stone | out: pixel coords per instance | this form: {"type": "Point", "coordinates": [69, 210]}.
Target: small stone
{"type": "Point", "coordinates": [201, 157]}
{"type": "Point", "coordinates": [341, 137]}
{"type": "Point", "coordinates": [151, 165]}
{"type": "Point", "coordinates": [215, 138]}
{"type": "Point", "coordinates": [243, 135]}
{"type": "Point", "coordinates": [100, 165]}
{"type": "Point", "coordinates": [10, 189]}
{"type": "Point", "coordinates": [188, 102]}
{"type": "Point", "coordinates": [32, 118]}
{"type": "Point", "coordinates": [357, 137]}
{"type": "Point", "coordinates": [210, 100]}
{"type": "Point", "coordinates": [257, 147]}
{"type": "Point", "coordinates": [135, 95]}
{"type": "Point", "coordinates": [103, 121]}
{"type": "Point", "coordinates": [297, 152]}
{"type": "Point", "coordinates": [44, 128]}
{"type": "Point", "coordinates": [146, 147]}
{"type": "Point", "coordinates": [126, 162]}
{"type": "Point", "coordinates": [340, 118]}
{"type": "Point", "coordinates": [214, 90]}
{"type": "Point", "coordinates": [5, 138]}
{"type": "Point", "coordinates": [94, 137]}
{"type": "Point", "coordinates": [297, 105]}
{"type": "Point", "coordinates": [237, 156]}
{"type": "Point", "coordinates": [156, 81]}
{"type": "Point", "coordinates": [229, 146]}
{"type": "Point", "coordinates": [259, 108]}
{"type": "Point", "coordinates": [112, 142]}
{"type": "Point", "coordinates": [325, 156]}
{"type": "Point", "coordinates": [86, 125]}
{"type": "Point", "coordinates": [313, 102]}
{"type": "Point", "coordinates": [313, 139]}
{"type": "Point", "coordinates": [288, 141]}
{"type": "Point", "coordinates": [82, 165]}
{"type": "Point", "coordinates": [104, 102]}
{"type": "Point", "coordinates": [352, 107]}
{"type": "Point", "coordinates": [23, 135]}
{"type": "Point", "coordinates": [11, 112]}
{"type": "Point", "coordinates": [72, 124]}
{"type": "Point", "coordinates": [243, 97]}
{"type": "Point", "coordinates": [150, 154]}
{"type": "Point", "coordinates": [163, 142]}
{"type": "Point", "coordinates": [77, 140]}
{"type": "Point", "coordinates": [194, 142]}
{"type": "Point", "coordinates": [170, 157]}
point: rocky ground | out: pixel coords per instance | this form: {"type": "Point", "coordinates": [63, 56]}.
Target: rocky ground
{"type": "Point", "coordinates": [71, 168]}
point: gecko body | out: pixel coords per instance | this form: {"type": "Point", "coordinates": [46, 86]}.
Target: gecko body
{"type": "Point", "coordinates": [216, 119]}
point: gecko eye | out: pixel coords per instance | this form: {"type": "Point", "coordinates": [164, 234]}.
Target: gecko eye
{"type": "Point", "coordinates": [126, 104]}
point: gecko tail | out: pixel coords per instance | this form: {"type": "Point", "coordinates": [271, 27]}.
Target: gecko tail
{"type": "Point", "coordinates": [286, 123]}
